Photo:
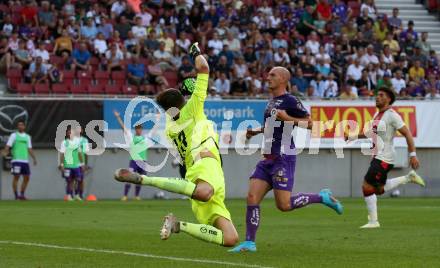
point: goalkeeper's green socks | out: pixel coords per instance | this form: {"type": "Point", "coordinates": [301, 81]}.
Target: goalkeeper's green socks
{"type": "Point", "coordinates": [175, 185]}
{"type": "Point", "coordinates": [203, 232]}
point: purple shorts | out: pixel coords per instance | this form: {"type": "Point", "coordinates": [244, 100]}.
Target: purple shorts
{"type": "Point", "coordinates": [138, 166]}
{"type": "Point", "coordinates": [278, 172]}
{"type": "Point", "coordinates": [72, 173]}
{"type": "Point", "coordinates": [19, 168]}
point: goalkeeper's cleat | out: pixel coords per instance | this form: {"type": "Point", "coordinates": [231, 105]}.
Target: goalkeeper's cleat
{"type": "Point", "coordinates": [246, 246]}
{"type": "Point", "coordinates": [170, 225]}
{"type": "Point", "coordinates": [415, 178]}
{"type": "Point", "coordinates": [330, 201]}
{"type": "Point", "coordinates": [124, 198]}
{"type": "Point", "coordinates": [137, 198]}
{"type": "Point", "coordinates": [125, 175]}
{"type": "Point", "coordinates": [194, 50]}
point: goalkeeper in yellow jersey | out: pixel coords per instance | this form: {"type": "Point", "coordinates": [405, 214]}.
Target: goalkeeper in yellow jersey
{"type": "Point", "coordinates": [194, 137]}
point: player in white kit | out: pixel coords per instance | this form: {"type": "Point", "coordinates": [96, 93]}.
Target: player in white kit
{"type": "Point", "coordinates": [385, 123]}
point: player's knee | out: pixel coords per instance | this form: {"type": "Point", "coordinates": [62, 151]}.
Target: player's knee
{"type": "Point", "coordinates": [283, 206]}
{"type": "Point", "coordinates": [368, 189]}
{"type": "Point", "coordinates": [204, 193]}
{"type": "Point", "coordinates": [252, 199]}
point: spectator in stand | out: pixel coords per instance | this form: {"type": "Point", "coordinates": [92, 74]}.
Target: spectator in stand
{"type": "Point", "coordinates": [68, 9]}
{"type": "Point", "coordinates": [118, 7]}
{"type": "Point", "coordinates": [146, 16]}
{"type": "Point", "coordinates": [239, 88]}
{"type": "Point", "coordinates": [100, 45]}
{"type": "Point", "coordinates": [385, 81]}
{"type": "Point", "coordinates": [81, 58]}
{"type": "Point", "coordinates": [164, 57]}
{"type": "Point", "coordinates": [319, 86]}
{"type": "Point", "coordinates": [38, 71]}
{"type": "Point", "coordinates": [279, 41]}
{"type": "Point", "coordinates": [419, 56]}
{"type": "Point", "coordinates": [54, 74]}
{"type": "Point", "coordinates": [21, 58]}
{"type": "Point", "coordinates": [322, 68]}
{"type": "Point", "coordinates": [395, 22]}
{"type": "Point", "coordinates": [393, 44]}
{"type": "Point", "coordinates": [349, 30]}
{"type": "Point", "coordinates": [250, 56]}
{"type": "Point", "coordinates": [299, 81]}
{"type": "Point", "coordinates": [215, 43]}
{"type": "Point", "coordinates": [7, 26]}
{"type": "Point", "coordinates": [63, 44]}
{"type": "Point", "coordinates": [156, 75]}
{"type": "Point", "coordinates": [255, 84]}
{"type": "Point", "coordinates": [29, 13]}
{"type": "Point", "coordinates": [131, 44]}
{"type": "Point", "coordinates": [139, 31]}
{"type": "Point", "coordinates": [398, 82]}
{"type": "Point", "coordinates": [347, 93]}
{"type": "Point", "coordinates": [380, 28]}
{"type": "Point", "coordinates": [183, 42]}
{"type": "Point", "coordinates": [324, 13]}
{"type": "Point", "coordinates": [410, 31]}
{"type": "Point", "coordinates": [42, 52]}
{"type": "Point", "coordinates": [123, 27]}
{"type": "Point", "coordinates": [417, 71]}
{"type": "Point", "coordinates": [212, 16]}
{"type": "Point", "coordinates": [240, 69]}
{"type": "Point", "coordinates": [341, 11]}
{"type": "Point", "coordinates": [222, 85]}
{"type": "Point", "coordinates": [354, 71]}
{"type": "Point", "coordinates": [330, 87]}
{"type": "Point", "coordinates": [151, 44]}
{"type": "Point", "coordinates": [432, 87]}
{"type": "Point", "coordinates": [186, 70]}
{"type": "Point", "coordinates": [233, 44]}
{"type": "Point", "coordinates": [113, 59]}
{"type": "Point", "coordinates": [169, 42]}
{"type": "Point", "coordinates": [369, 5]}
{"type": "Point", "coordinates": [46, 16]}
{"type": "Point", "coordinates": [307, 22]}
{"type": "Point", "coordinates": [223, 67]}
{"type": "Point", "coordinates": [364, 85]}
{"type": "Point", "coordinates": [313, 43]}
{"type": "Point", "coordinates": [13, 42]}
{"type": "Point", "coordinates": [423, 44]}
{"type": "Point", "coordinates": [106, 27]}
{"type": "Point", "coordinates": [89, 31]}
{"type": "Point", "coordinates": [281, 58]}
{"type": "Point", "coordinates": [415, 89]}
{"type": "Point", "coordinates": [137, 75]}
{"type": "Point", "coordinates": [369, 57]}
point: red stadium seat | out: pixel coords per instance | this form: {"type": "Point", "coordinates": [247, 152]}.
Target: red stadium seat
{"type": "Point", "coordinates": [119, 77]}
{"type": "Point", "coordinates": [96, 89]}
{"type": "Point", "coordinates": [60, 88]}
{"type": "Point", "coordinates": [102, 77]}
{"type": "Point", "coordinates": [54, 59]}
{"type": "Point", "coordinates": [23, 88]}
{"type": "Point", "coordinates": [113, 89]}
{"type": "Point", "coordinates": [84, 77]}
{"type": "Point", "coordinates": [129, 90]}
{"type": "Point", "coordinates": [14, 77]}
{"type": "Point", "coordinates": [68, 76]}
{"type": "Point", "coordinates": [171, 77]}
{"type": "Point", "coordinates": [94, 62]}
{"type": "Point", "coordinates": [4, 9]}
{"type": "Point", "coordinates": [144, 61]}
{"type": "Point", "coordinates": [42, 88]}
{"type": "Point", "coordinates": [78, 89]}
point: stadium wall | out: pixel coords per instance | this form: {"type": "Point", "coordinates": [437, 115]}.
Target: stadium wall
{"type": "Point", "coordinates": [313, 172]}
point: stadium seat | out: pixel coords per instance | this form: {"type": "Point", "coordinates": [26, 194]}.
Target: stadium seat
{"type": "Point", "coordinates": [14, 77]}
{"type": "Point", "coordinates": [144, 61]}
{"type": "Point", "coordinates": [60, 88]}
{"type": "Point", "coordinates": [129, 90]}
{"type": "Point", "coordinates": [102, 77]}
{"type": "Point", "coordinates": [84, 77]}
{"type": "Point", "coordinates": [94, 62]}
{"type": "Point", "coordinates": [78, 89]}
{"type": "Point", "coordinates": [4, 9]}
{"type": "Point", "coordinates": [95, 89]}
{"type": "Point", "coordinates": [55, 59]}
{"type": "Point", "coordinates": [42, 88]}
{"type": "Point", "coordinates": [171, 77]}
{"type": "Point", "coordinates": [119, 77]}
{"type": "Point", "coordinates": [113, 89]}
{"type": "Point", "coordinates": [68, 76]}
{"type": "Point", "coordinates": [23, 88]}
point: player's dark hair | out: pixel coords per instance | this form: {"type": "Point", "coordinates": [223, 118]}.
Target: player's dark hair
{"type": "Point", "coordinates": [138, 126]}
{"type": "Point", "coordinates": [21, 122]}
{"type": "Point", "coordinates": [170, 98]}
{"type": "Point", "coordinates": [389, 92]}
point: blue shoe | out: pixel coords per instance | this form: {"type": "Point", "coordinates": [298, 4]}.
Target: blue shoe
{"type": "Point", "coordinates": [330, 201]}
{"type": "Point", "coordinates": [246, 246]}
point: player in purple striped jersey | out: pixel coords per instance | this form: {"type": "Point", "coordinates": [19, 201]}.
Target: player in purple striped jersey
{"type": "Point", "coordinates": [276, 170]}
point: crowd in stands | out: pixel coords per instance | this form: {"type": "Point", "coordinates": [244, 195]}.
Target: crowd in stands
{"type": "Point", "coordinates": [334, 49]}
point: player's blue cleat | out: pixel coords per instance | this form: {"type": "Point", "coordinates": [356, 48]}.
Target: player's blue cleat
{"type": "Point", "coordinates": [246, 246]}
{"type": "Point", "coordinates": [330, 201]}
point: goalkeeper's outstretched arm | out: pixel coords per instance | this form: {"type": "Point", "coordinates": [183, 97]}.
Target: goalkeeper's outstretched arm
{"type": "Point", "coordinates": [201, 64]}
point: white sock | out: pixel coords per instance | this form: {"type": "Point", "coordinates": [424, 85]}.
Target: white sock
{"type": "Point", "coordinates": [371, 202]}
{"type": "Point", "coordinates": [393, 183]}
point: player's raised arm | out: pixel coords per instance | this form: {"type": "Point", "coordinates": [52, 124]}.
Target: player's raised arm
{"type": "Point", "coordinates": [413, 161]}
{"type": "Point", "coordinates": [120, 122]}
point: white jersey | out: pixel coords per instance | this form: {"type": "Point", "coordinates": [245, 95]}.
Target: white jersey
{"type": "Point", "coordinates": [385, 125]}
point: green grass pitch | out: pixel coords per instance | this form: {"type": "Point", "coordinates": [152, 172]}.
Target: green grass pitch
{"type": "Point", "coordinates": [310, 237]}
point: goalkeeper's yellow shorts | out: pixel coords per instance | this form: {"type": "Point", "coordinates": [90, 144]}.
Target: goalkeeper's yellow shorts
{"type": "Point", "coordinates": [209, 169]}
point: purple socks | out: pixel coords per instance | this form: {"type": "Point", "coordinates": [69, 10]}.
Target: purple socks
{"type": "Point", "coordinates": [127, 189]}
{"type": "Point", "coordinates": [302, 199]}
{"type": "Point", "coordinates": [252, 221]}
{"type": "Point", "coordinates": [137, 190]}
{"type": "Point", "coordinates": [68, 187]}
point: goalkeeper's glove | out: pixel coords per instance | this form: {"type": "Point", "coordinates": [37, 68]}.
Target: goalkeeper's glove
{"type": "Point", "coordinates": [188, 86]}
{"type": "Point", "coordinates": [194, 51]}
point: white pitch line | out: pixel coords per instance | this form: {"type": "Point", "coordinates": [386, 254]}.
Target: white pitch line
{"type": "Point", "coordinates": [108, 251]}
